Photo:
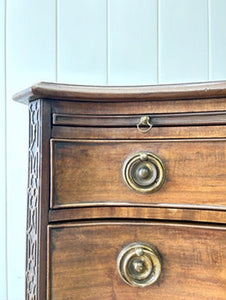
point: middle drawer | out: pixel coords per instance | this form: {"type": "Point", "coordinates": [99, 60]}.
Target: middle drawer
{"type": "Point", "coordinates": [89, 173]}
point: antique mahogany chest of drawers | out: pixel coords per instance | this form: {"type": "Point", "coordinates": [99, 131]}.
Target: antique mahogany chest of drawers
{"type": "Point", "coordinates": [126, 192]}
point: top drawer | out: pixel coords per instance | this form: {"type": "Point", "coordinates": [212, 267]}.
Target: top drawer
{"type": "Point", "coordinates": [143, 122]}
{"type": "Point", "coordinates": [146, 126]}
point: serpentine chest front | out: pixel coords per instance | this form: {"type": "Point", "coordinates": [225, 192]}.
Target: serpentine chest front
{"type": "Point", "coordinates": [126, 192]}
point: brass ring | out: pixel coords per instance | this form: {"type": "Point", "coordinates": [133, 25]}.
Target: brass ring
{"type": "Point", "coordinates": [145, 121]}
{"type": "Point", "coordinates": [139, 264]}
{"type": "Point", "coordinates": [144, 172]}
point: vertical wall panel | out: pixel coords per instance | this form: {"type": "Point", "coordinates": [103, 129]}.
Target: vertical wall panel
{"type": "Point", "coordinates": [217, 39]}
{"type": "Point", "coordinates": [132, 42]}
{"type": "Point", "coordinates": [30, 58]}
{"type": "Point", "coordinates": [82, 41]}
{"type": "Point", "coordinates": [183, 27]}
{"type": "Point", "coordinates": [3, 273]}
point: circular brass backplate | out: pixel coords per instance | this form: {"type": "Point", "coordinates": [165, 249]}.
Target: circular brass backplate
{"type": "Point", "coordinates": [144, 172]}
{"type": "Point", "coordinates": [139, 264]}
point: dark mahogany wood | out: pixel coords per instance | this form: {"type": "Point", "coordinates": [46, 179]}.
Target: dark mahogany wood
{"type": "Point", "coordinates": [189, 119]}
{"type": "Point", "coordinates": [198, 214]}
{"type": "Point", "coordinates": [83, 261]}
{"type": "Point", "coordinates": [69, 92]}
{"type": "Point", "coordinates": [80, 211]}
{"type": "Point", "coordinates": [122, 133]}
{"type": "Point", "coordinates": [139, 107]}
{"type": "Point", "coordinates": [195, 173]}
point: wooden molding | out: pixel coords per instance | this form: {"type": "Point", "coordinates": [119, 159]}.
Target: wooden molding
{"type": "Point", "coordinates": [69, 92]}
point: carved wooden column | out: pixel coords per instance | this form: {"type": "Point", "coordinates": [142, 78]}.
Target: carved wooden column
{"type": "Point", "coordinates": [39, 115]}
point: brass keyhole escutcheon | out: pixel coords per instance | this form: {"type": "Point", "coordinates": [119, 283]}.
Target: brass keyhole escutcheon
{"type": "Point", "coordinates": [144, 172]}
{"type": "Point", "coordinates": [139, 264]}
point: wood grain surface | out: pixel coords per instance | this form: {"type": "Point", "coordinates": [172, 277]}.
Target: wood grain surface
{"type": "Point", "coordinates": [82, 261]}
{"type": "Point", "coordinates": [72, 92]}
{"type": "Point", "coordinates": [90, 173]}
{"type": "Point", "coordinates": [140, 107]}
{"type": "Point", "coordinates": [182, 132]}
{"type": "Point", "coordinates": [157, 120]}
{"type": "Point", "coordinates": [87, 214]}
{"type": "Point", "coordinates": [138, 212]}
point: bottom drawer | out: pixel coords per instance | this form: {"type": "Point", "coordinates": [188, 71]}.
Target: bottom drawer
{"type": "Point", "coordinates": [83, 261]}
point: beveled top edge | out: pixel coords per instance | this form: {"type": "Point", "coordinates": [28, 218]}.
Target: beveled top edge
{"type": "Point", "coordinates": [88, 93]}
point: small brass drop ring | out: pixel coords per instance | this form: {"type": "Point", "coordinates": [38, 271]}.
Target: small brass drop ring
{"type": "Point", "coordinates": [144, 121]}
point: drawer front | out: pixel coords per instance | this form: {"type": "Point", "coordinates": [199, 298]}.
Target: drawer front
{"type": "Point", "coordinates": [91, 173]}
{"type": "Point", "coordinates": [83, 261]}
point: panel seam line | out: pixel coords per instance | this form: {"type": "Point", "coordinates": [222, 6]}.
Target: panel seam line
{"type": "Point", "coordinates": [6, 156]}
{"type": "Point", "coordinates": [158, 41]}
{"type": "Point", "coordinates": [56, 42]}
{"type": "Point", "coordinates": [107, 42]}
{"type": "Point", "coordinates": [209, 38]}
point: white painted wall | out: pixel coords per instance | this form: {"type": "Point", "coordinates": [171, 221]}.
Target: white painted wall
{"type": "Point", "coordinates": [3, 213]}
{"type": "Point", "coordinates": [115, 42]}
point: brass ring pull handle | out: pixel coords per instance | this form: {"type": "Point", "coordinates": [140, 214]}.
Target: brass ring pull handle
{"type": "Point", "coordinates": [144, 172]}
{"type": "Point", "coordinates": [139, 264]}
{"type": "Point", "coordinates": [144, 121]}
